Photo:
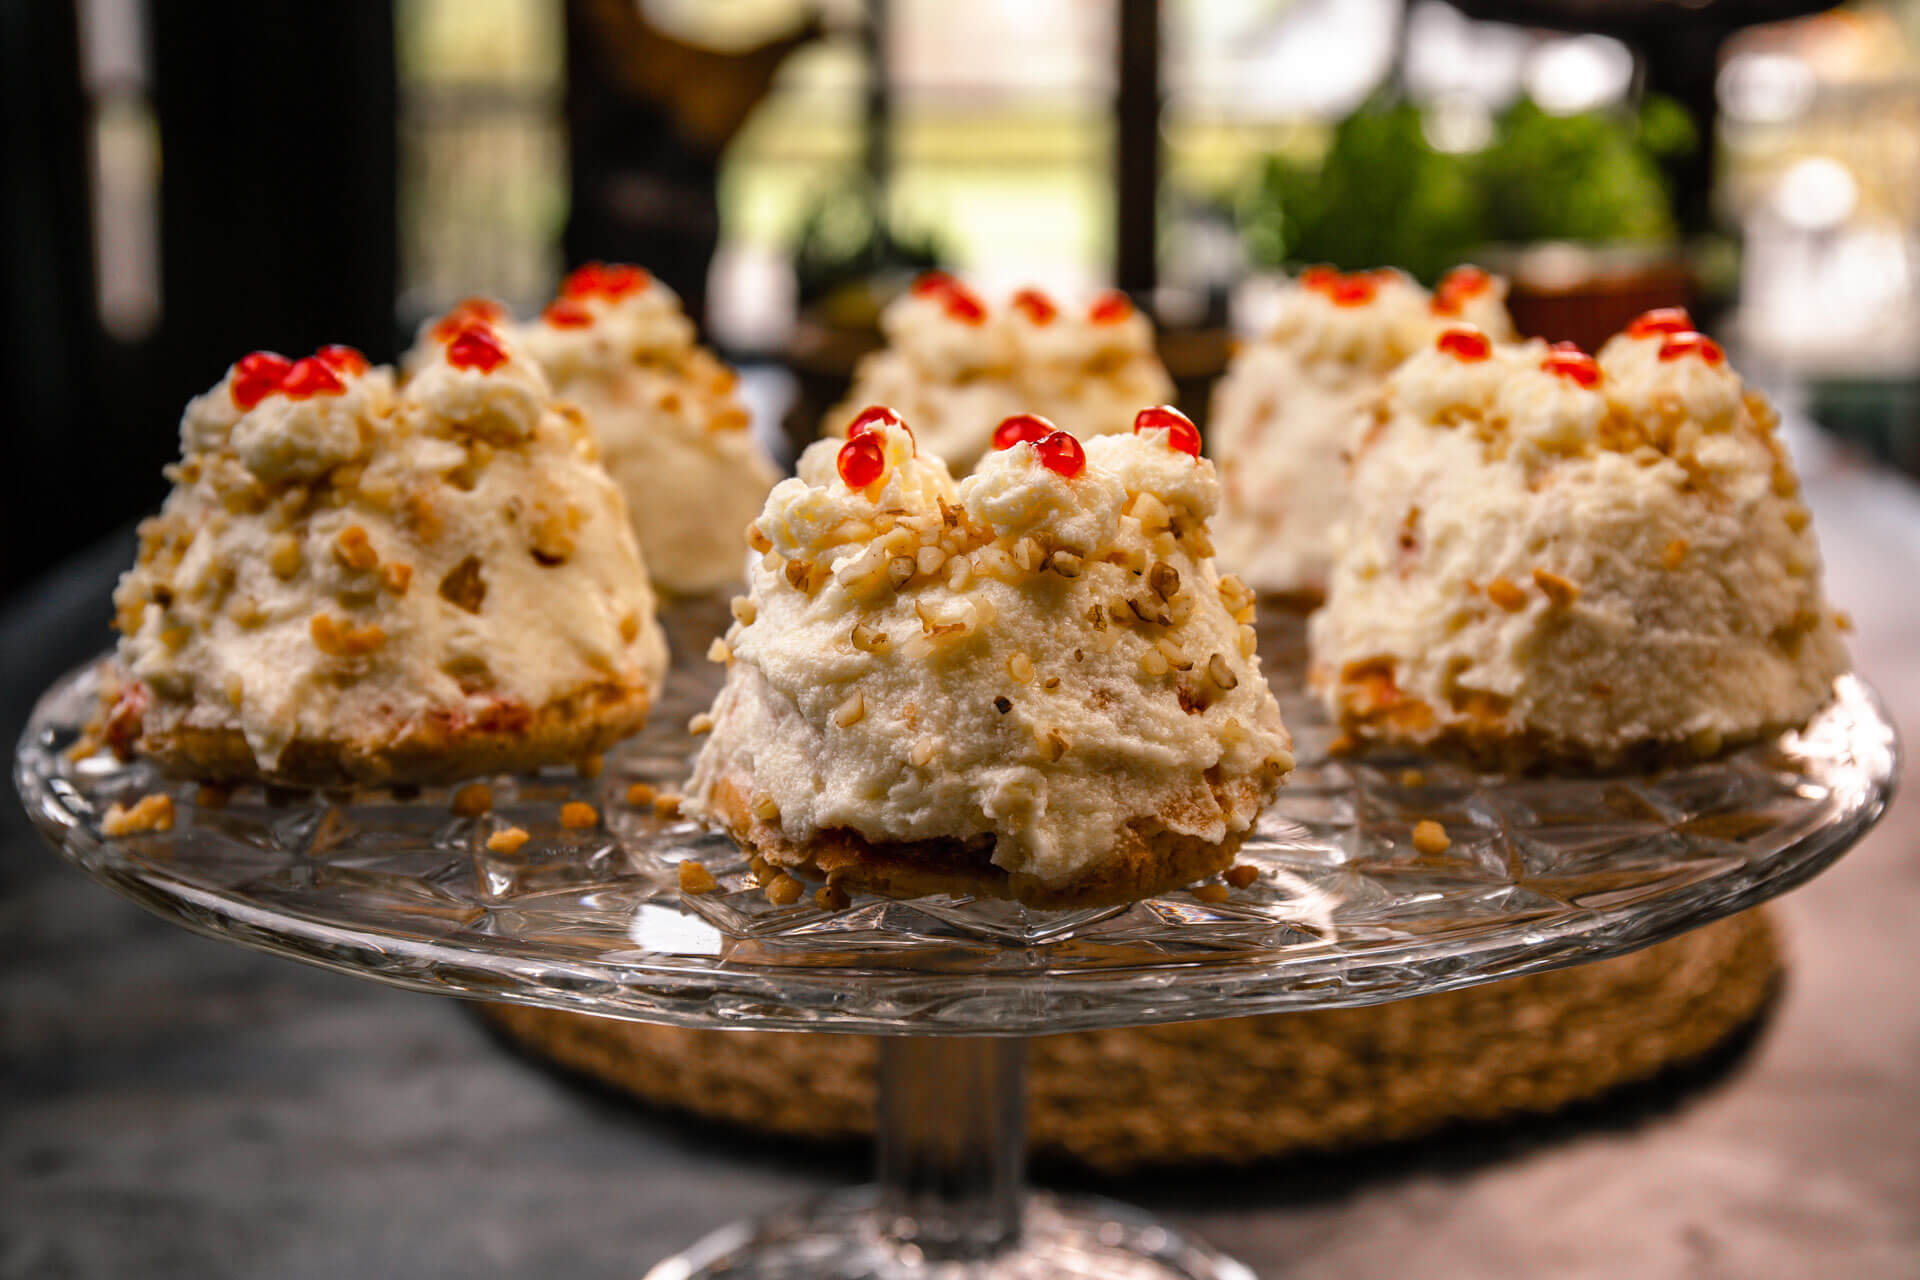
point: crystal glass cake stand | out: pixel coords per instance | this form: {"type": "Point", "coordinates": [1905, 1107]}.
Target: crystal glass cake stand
{"type": "Point", "coordinates": [1345, 911]}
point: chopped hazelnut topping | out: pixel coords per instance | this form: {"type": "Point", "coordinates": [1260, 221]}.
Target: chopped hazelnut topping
{"type": "Point", "coordinates": [1052, 744]}
{"type": "Point", "coordinates": [1164, 579]}
{"type": "Point", "coordinates": [1020, 667]}
{"type": "Point", "coordinates": [1241, 876]}
{"type": "Point", "coordinates": [1412, 778]}
{"type": "Point", "coordinates": [701, 723]}
{"type": "Point", "coordinates": [344, 641]}
{"type": "Point", "coordinates": [589, 767]}
{"type": "Point", "coordinates": [472, 800]}
{"type": "Point", "coordinates": [920, 755]}
{"type": "Point", "coordinates": [1249, 641]}
{"type": "Point", "coordinates": [744, 610]}
{"type": "Point", "coordinates": [784, 891]}
{"type": "Point", "coordinates": [1175, 656]}
{"type": "Point", "coordinates": [868, 638]}
{"type": "Point", "coordinates": [1798, 517]}
{"type": "Point", "coordinates": [1221, 674]}
{"type": "Point", "coordinates": [758, 540]}
{"type": "Point", "coordinates": [1560, 591]}
{"type": "Point", "coordinates": [577, 815]}
{"type": "Point", "coordinates": [928, 560]}
{"type": "Point", "coordinates": [1151, 513]}
{"type": "Point", "coordinates": [1430, 838]}
{"type": "Point", "coordinates": [639, 794]}
{"type": "Point", "coordinates": [1027, 555]}
{"type": "Point", "coordinates": [666, 805]}
{"type": "Point", "coordinates": [1842, 620]}
{"type": "Point", "coordinates": [766, 808]}
{"type": "Point", "coordinates": [831, 897]}
{"type": "Point", "coordinates": [397, 575]}
{"type": "Point", "coordinates": [463, 586]}
{"type": "Point", "coordinates": [1051, 682]}
{"type": "Point", "coordinates": [763, 872]}
{"type": "Point", "coordinates": [629, 628]}
{"type": "Point", "coordinates": [149, 813]}
{"type": "Point", "coordinates": [719, 651]}
{"type": "Point", "coordinates": [1003, 704]}
{"type": "Point", "coordinates": [1065, 563]}
{"type": "Point", "coordinates": [1507, 594]}
{"type": "Point", "coordinates": [900, 570]}
{"type": "Point", "coordinates": [1153, 663]}
{"type": "Point", "coordinates": [695, 879]}
{"type": "Point", "coordinates": [352, 549]}
{"type": "Point", "coordinates": [959, 569]}
{"type": "Point", "coordinates": [508, 840]}
{"type": "Point", "coordinates": [1210, 892]}
{"type": "Point", "coordinates": [1675, 553]}
{"type": "Point", "coordinates": [797, 571]}
{"type": "Point", "coordinates": [283, 556]}
{"type": "Point", "coordinates": [851, 711]}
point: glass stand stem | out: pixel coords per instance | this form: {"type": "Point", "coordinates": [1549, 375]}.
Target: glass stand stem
{"type": "Point", "coordinates": [951, 1145]}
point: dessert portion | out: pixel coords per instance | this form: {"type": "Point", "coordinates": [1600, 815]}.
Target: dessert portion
{"type": "Point", "coordinates": [667, 415]}
{"type": "Point", "coordinates": [954, 367]}
{"type": "Point", "coordinates": [353, 583]}
{"type": "Point", "coordinates": [1032, 684]}
{"type": "Point", "coordinates": [1549, 558]}
{"type": "Point", "coordinates": [1291, 405]}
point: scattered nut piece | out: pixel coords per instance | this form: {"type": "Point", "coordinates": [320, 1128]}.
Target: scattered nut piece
{"type": "Point", "coordinates": [589, 767]}
{"type": "Point", "coordinates": [666, 805]}
{"type": "Point", "coordinates": [338, 640]}
{"type": "Point", "coordinates": [1430, 838]}
{"type": "Point", "coordinates": [1221, 674]}
{"type": "Point", "coordinates": [1241, 876]}
{"type": "Point", "coordinates": [868, 638]}
{"type": "Point", "coordinates": [701, 723]}
{"type": "Point", "coordinates": [577, 815]}
{"type": "Point", "coordinates": [757, 540]}
{"type": "Point", "coordinates": [639, 794]}
{"type": "Point", "coordinates": [920, 755]}
{"type": "Point", "coordinates": [463, 587]}
{"type": "Point", "coordinates": [1164, 579]}
{"type": "Point", "coordinates": [1065, 563]}
{"type": "Point", "coordinates": [1508, 594]}
{"type": "Point", "coordinates": [831, 897]}
{"type": "Point", "coordinates": [472, 800]}
{"type": "Point", "coordinates": [1003, 704]}
{"type": "Point", "coordinates": [353, 550]}
{"type": "Point", "coordinates": [1560, 591]}
{"type": "Point", "coordinates": [508, 840]}
{"type": "Point", "coordinates": [744, 610]}
{"type": "Point", "coordinates": [396, 575]}
{"type": "Point", "coordinates": [1053, 744]}
{"type": "Point", "coordinates": [629, 628]}
{"type": "Point", "coordinates": [1412, 778]}
{"type": "Point", "coordinates": [1153, 663]}
{"type": "Point", "coordinates": [1210, 892]}
{"type": "Point", "coordinates": [695, 879]}
{"type": "Point", "coordinates": [766, 808]}
{"type": "Point", "coordinates": [1675, 553]}
{"type": "Point", "coordinates": [1020, 667]}
{"type": "Point", "coordinates": [149, 813]}
{"type": "Point", "coordinates": [283, 556]}
{"type": "Point", "coordinates": [784, 891]}
{"type": "Point", "coordinates": [719, 651]}
{"type": "Point", "coordinates": [851, 711]}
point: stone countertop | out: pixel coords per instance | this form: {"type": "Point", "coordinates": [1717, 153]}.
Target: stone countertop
{"type": "Point", "coordinates": [172, 1106]}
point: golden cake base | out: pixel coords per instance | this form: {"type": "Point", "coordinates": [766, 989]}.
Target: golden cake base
{"type": "Point", "coordinates": [1241, 1090]}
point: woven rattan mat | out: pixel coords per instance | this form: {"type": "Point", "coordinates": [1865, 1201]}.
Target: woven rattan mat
{"type": "Point", "coordinates": [1245, 1089]}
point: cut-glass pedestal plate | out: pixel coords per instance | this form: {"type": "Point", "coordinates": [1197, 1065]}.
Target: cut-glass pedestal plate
{"type": "Point", "coordinates": [1540, 873]}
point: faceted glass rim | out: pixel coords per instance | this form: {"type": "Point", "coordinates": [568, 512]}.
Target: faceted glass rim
{"type": "Point", "coordinates": [961, 968]}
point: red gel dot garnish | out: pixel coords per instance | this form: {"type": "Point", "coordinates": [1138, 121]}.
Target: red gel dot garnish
{"type": "Point", "coordinates": [1319, 279]}
{"type": "Point", "coordinates": [476, 347]}
{"type": "Point", "coordinates": [1181, 433]}
{"type": "Point", "coordinates": [466, 312]}
{"type": "Point", "coordinates": [1692, 344]}
{"type": "Point", "coordinates": [255, 377]}
{"type": "Point", "coordinates": [1061, 454]}
{"type": "Point", "coordinates": [876, 416]}
{"type": "Point", "coordinates": [1661, 320]}
{"type": "Point", "coordinates": [1036, 306]}
{"type": "Point", "coordinates": [1352, 291]}
{"type": "Point", "coordinates": [342, 359]}
{"type": "Point", "coordinates": [565, 313]}
{"type": "Point", "coordinates": [1567, 360]}
{"type": "Point", "coordinates": [311, 377]}
{"type": "Point", "coordinates": [930, 284]}
{"type": "Point", "coordinates": [1469, 346]}
{"type": "Point", "coordinates": [1110, 307]}
{"type": "Point", "coordinates": [1457, 288]}
{"type": "Point", "coordinates": [605, 280]}
{"type": "Point", "coordinates": [1021, 428]}
{"type": "Point", "coordinates": [861, 461]}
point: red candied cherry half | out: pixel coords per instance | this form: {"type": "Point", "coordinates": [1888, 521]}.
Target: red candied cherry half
{"type": "Point", "coordinates": [876, 416]}
{"type": "Point", "coordinates": [1110, 307]}
{"type": "Point", "coordinates": [1567, 360]}
{"type": "Point", "coordinates": [963, 304]}
{"type": "Point", "coordinates": [1320, 278]}
{"type": "Point", "coordinates": [342, 359]}
{"type": "Point", "coordinates": [466, 312]}
{"type": "Point", "coordinates": [476, 347]}
{"type": "Point", "coordinates": [255, 377]}
{"type": "Point", "coordinates": [1061, 454]}
{"type": "Point", "coordinates": [1469, 346]}
{"type": "Point", "coordinates": [1352, 291]}
{"type": "Point", "coordinates": [1181, 433]}
{"type": "Point", "coordinates": [1661, 320]}
{"type": "Point", "coordinates": [1457, 287]}
{"type": "Point", "coordinates": [565, 313]}
{"type": "Point", "coordinates": [1021, 428]}
{"type": "Point", "coordinates": [311, 377]}
{"type": "Point", "coordinates": [930, 284]}
{"type": "Point", "coordinates": [861, 461]}
{"type": "Point", "coordinates": [606, 280]}
{"type": "Point", "coordinates": [1036, 306]}
{"type": "Point", "coordinates": [1692, 344]}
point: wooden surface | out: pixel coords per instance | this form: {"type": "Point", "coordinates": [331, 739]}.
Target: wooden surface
{"type": "Point", "coordinates": [174, 1107]}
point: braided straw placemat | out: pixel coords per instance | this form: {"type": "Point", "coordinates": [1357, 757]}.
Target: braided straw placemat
{"type": "Point", "coordinates": [1245, 1089]}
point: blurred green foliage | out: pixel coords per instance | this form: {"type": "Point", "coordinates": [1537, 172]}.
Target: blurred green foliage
{"type": "Point", "coordinates": [1383, 194]}
{"type": "Point", "coordinates": [847, 240]}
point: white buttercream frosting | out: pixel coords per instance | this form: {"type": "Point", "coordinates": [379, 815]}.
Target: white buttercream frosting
{"type": "Point", "coordinates": [1533, 565]}
{"type": "Point", "coordinates": [1288, 409]}
{"type": "Point", "coordinates": [955, 371]}
{"type": "Point", "coordinates": [920, 659]}
{"type": "Point", "coordinates": [342, 567]}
